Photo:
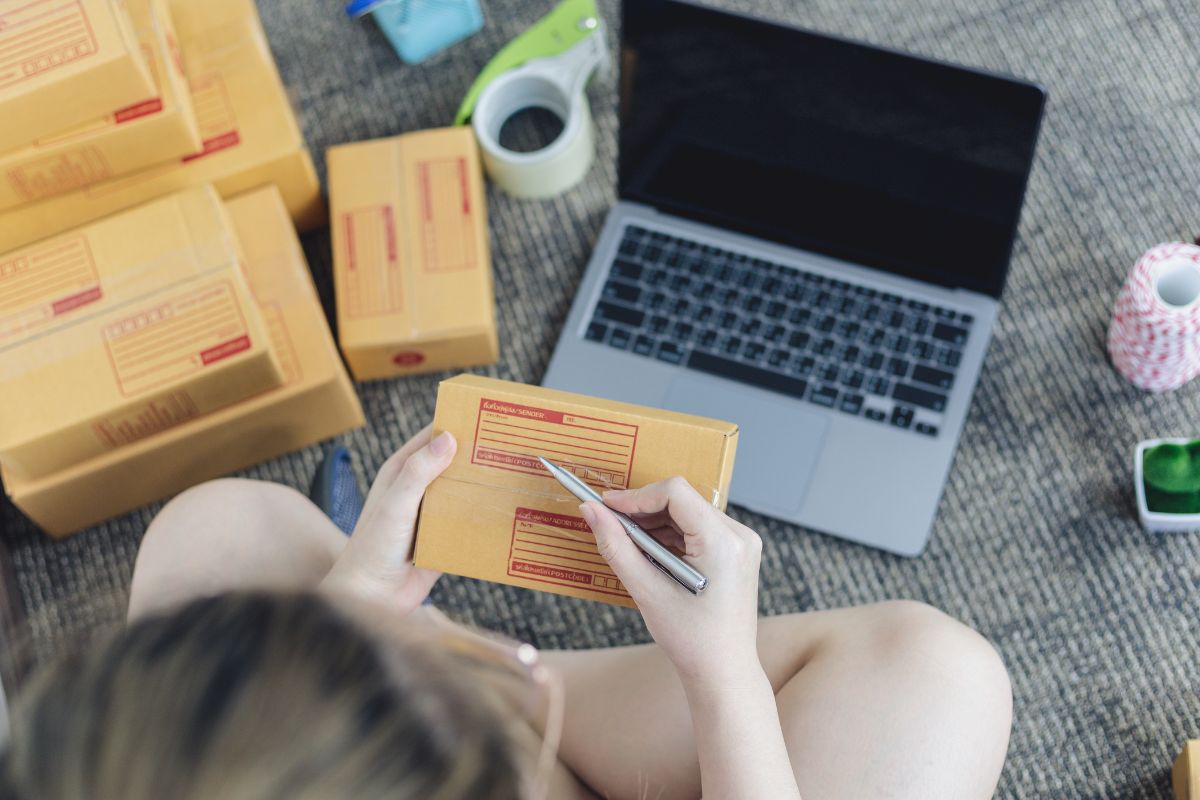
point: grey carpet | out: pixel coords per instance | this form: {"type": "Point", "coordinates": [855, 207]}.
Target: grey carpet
{"type": "Point", "coordinates": [1036, 543]}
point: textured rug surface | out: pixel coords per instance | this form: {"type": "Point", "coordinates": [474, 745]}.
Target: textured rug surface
{"type": "Point", "coordinates": [1036, 543]}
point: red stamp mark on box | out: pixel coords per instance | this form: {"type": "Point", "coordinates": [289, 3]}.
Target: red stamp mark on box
{"type": "Point", "coordinates": [446, 223]}
{"type": "Point", "coordinates": [176, 337]}
{"type": "Point", "coordinates": [43, 282]}
{"type": "Point", "coordinates": [510, 436]}
{"type": "Point", "coordinates": [62, 172]}
{"type": "Point", "coordinates": [38, 36]}
{"type": "Point", "coordinates": [372, 280]}
{"type": "Point", "coordinates": [155, 416]}
{"type": "Point", "coordinates": [559, 550]}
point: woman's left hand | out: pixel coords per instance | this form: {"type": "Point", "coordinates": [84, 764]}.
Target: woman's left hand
{"type": "Point", "coordinates": [376, 564]}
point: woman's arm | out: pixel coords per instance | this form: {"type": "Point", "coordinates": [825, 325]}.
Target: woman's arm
{"type": "Point", "coordinates": [710, 638]}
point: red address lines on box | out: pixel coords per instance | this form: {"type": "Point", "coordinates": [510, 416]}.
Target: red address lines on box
{"type": "Point", "coordinates": [510, 436]}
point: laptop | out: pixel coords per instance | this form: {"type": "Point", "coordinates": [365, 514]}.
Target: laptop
{"type": "Point", "coordinates": [811, 240]}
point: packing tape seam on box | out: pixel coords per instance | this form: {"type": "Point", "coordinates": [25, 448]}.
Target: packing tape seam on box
{"type": "Point", "coordinates": [50, 354]}
{"type": "Point", "coordinates": [32, 338]}
{"type": "Point", "coordinates": [711, 493]}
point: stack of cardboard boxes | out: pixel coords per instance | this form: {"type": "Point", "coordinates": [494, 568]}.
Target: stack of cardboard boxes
{"type": "Point", "coordinates": [158, 322]}
{"type": "Point", "coordinates": [110, 103]}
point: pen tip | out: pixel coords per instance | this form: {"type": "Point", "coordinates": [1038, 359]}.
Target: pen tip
{"type": "Point", "coordinates": [545, 463]}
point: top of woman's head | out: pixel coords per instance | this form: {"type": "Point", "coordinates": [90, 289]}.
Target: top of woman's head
{"type": "Point", "coordinates": [255, 696]}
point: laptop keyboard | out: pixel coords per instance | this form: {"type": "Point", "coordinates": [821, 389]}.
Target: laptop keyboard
{"type": "Point", "coordinates": [833, 343]}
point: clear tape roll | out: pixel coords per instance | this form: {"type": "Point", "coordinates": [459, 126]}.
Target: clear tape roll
{"type": "Point", "coordinates": [1154, 338]}
{"type": "Point", "coordinates": [556, 84]}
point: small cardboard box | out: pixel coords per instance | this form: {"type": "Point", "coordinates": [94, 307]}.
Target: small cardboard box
{"type": "Point", "coordinates": [250, 136]}
{"type": "Point", "coordinates": [1185, 777]}
{"type": "Point", "coordinates": [411, 268]}
{"type": "Point", "coordinates": [156, 129]}
{"type": "Point", "coordinates": [122, 328]}
{"type": "Point", "coordinates": [63, 62]}
{"type": "Point", "coordinates": [315, 401]}
{"type": "Point", "coordinates": [498, 515]}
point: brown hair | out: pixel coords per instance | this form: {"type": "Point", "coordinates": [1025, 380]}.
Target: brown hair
{"type": "Point", "coordinates": [254, 696]}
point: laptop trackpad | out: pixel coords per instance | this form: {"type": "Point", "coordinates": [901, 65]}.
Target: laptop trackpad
{"type": "Point", "coordinates": [778, 445]}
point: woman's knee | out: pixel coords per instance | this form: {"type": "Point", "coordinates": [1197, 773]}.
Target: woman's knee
{"type": "Point", "coordinates": [929, 646]}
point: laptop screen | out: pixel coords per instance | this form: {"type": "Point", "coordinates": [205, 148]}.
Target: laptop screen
{"type": "Point", "coordinates": [871, 156]}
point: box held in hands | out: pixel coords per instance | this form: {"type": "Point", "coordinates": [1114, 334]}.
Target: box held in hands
{"type": "Point", "coordinates": [498, 515]}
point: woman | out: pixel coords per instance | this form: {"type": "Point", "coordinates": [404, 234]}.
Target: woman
{"type": "Point", "coordinates": [268, 656]}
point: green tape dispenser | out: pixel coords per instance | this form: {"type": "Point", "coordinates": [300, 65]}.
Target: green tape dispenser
{"type": "Point", "coordinates": [547, 67]}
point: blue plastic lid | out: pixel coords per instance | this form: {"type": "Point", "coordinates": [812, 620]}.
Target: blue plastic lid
{"type": "Point", "coordinates": [356, 8]}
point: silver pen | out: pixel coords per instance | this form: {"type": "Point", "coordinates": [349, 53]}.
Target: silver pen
{"type": "Point", "coordinates": [672, 565]}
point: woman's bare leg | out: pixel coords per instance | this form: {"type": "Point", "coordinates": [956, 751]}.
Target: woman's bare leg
{"type": "Point", "coordinates": [890, 700]}
{"type": "Point", "coordinates": [232, 534]}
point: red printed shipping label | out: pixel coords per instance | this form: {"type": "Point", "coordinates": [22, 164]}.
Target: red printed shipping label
{"type": "Point", "coordinates": [510, 436]}
{"type": "Point", "coordinates": [154, 417]}
{"type": "Point", "coordinates": [37, 36]}
{"type": "Point", "coordinates": [370, 251]}
{"type": "Point", "coordinates": [51, 175]}
{"type": "Point", "coordinates": [446, 220]}
{"type": "Point", "coordinates": [44, 282]}
{"type": "Point", "coordinates": [559, 550]}
{"type": "Point", "coordinates": [176, 338]}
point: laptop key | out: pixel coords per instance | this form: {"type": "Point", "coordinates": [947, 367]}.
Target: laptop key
{"type": "Point", "coordinates": [906, 393]}
{"type": "Point", "coordinates": [828, 372]}
{"type": "Point", "coordinates": [619, 290]}
{"type": "Point", "coordinates": [659, 324]}
{"type": "Point", "coordinates": [875, 415]}
{"type": "Point", "coordinates": [805, 366]}
{"type": "Point", "coordinates": [670, 352]}
{"type": "Point", "coordinates": [627, 269]}
{"type": "Point", "coordinates": [934, 377]}
{"type": "Point", "coordinates": [851, 403]}
{"type": "Point", "coordinates": [656, 301]}
{"type": "Point", "coordinates": [611, 312]}
{"type": "Point", "coordinates": [799, 340]}
{"type": "Point", "coordinates": [852, 378]}
{"type": "Point", "coordinates": [732, 345]}
{"type": "Point", "coordinates": [683, 331]}
{"type": "Point", "coordinates": [897, 367]}
{"type": "Point", "coordinates": [778, 358]}
{"type": "Point", "coordinates": [799, 315]}
{"type": "Point", "coordinates": [751, 326]}
{"type": "Point", "coordinates": [902, 416]}
{"type": "Point", "coordinates": [596, 331]}
{"type": "Point", "coordinates": [824, 396]}
{"type": "Point", "coordinates": [755, 376]}
{"type": "Point", "coordinates": [642, 345]}
{"type": "Point", "coordinates": [620, 338]}
{"type": "Point", "coordinates": [878, 385]}
{"type": "Point", "coordinates": [708, 338]}
{"type": "Point", "coordinates": [949, 358]}
{"type": "Point", "coordinates": [925, 428]}
{"type": "Point", "coordinates": [825, 347]}
{"type": "Point", "coordinates": [774, 333]}
{"type": "Point", "coordinates": [754, 350]}
{"type": "Point", "coordinates": [775, 309]}
{"type": "Point", "coordinates": [950, 333]}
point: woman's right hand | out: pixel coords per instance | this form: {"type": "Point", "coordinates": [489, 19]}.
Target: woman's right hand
{"type": "Point", "coordinates": [711, 638]}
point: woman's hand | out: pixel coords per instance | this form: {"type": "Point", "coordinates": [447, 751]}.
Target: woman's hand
{"type": "Point", "coordinates": [710, 637]}
{"type": "Point", "coordinates": [376, 564]}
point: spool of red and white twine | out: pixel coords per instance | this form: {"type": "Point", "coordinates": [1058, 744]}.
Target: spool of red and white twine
{"type": "Point", "coordinates": [1154, 339]}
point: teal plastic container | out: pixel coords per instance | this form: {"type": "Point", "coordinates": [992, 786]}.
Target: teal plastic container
{"type": "Point", "coordinates": [419, 28]}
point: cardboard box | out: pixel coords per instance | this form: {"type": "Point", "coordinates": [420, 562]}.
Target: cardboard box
{"type": "Point", "coordinates": [411, 267]}
{"type": "Point", "coordinates": [315, 402]}
{"type": "Point", "coordinates": [1185, 777]}
{"type": "Point", "coordinates": [63, 62]}
{"type": "Point", "coordinates": [498, 515]}
{"type": "Point", "coordinates": [122, 328]}
{"type": "Point", "coordinates": [156, 129]}
{"type": "Point", "coordinates": [249, 133]}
